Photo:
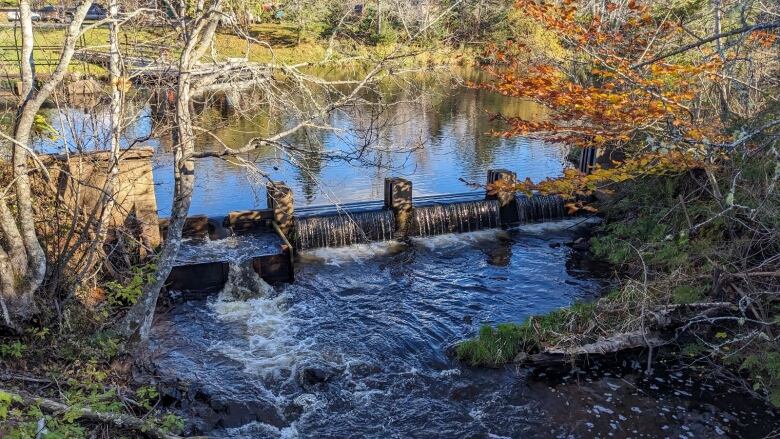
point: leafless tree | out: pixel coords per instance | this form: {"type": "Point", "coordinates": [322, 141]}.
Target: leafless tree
{"type": "Point", "coordinates": [22, 258]}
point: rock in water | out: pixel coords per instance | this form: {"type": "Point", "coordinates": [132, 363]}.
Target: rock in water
{"type": "Point", "coordinates": [314, 375]}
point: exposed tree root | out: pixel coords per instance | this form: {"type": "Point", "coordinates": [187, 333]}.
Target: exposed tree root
{"type": "Point", "coordinates": [608, 345]}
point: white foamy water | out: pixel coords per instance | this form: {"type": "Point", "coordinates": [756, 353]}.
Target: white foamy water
{"type": "Point", "coordinates": [569, 224]}
{"type": "Point", "coordinates": [460, 239]}
{"type": "Point", "coordinates": [356, 253]}
{"type": "Point", "coordinates": [236, 248]}
{"type": "Point", "coordinates": [273, 348]}
{"type": "Point", "coordinates": [262, 430]}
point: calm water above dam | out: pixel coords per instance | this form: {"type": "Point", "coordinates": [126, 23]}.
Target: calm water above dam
{"type": "Point", "coordinates": [433, 135]}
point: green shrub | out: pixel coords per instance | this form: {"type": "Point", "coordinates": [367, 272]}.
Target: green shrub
{"type": "Point", "coordinates": [13, 349]}
{"type": "Point", "coordinates": [129, 293]}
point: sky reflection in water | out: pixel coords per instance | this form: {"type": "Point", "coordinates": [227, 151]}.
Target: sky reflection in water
{"type": "Point", "coordinates": [434, 141]}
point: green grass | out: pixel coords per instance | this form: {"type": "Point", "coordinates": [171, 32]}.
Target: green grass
{"type": "Point", "coordinates": [493, 347]}
{"type": "Point", "coordinates": [282, 48]}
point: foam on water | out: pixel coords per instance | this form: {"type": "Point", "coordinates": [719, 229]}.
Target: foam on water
{"type": "Point", "coordinates": [262, 430]}
{"type": "Point", "coordinates": [358, 253]}
{"type": "Point", "coordinates": [563, 225]}
{"type": "Point", "coordinates": [273, 348]}
{"type": "Point", "coordinates": [460, 239]}
{"type": "Point", "coordinates": [355, 253]}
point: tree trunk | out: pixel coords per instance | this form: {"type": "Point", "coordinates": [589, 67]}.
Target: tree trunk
{"type": "Point", "coordinates": [138, 322]}
{"type": "Point", "coordinates": [25, 253]}
{"type": "Point", "coordinates": [36, 259]}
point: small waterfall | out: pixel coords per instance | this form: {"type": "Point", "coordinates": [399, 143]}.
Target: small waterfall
{"type": "Point", "coordinates": [343, 230]}
{"type": "Point", "coordinates": [428, 220]}
{"type": "Point", "coordinates": [244, 283]}
{"type": "Point", "coordinates": [539, 208]}
{"type": "Point", "coordinates": [439, 219]}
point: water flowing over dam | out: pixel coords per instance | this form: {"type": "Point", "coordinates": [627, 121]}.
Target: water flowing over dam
{"type": "Point", "coordinates": [440, 219]}
{"type": "Point", "coordinates": [431, 218]}
{"type": "Point", "coordinates": [266, 239]}
{"type": "Point", "coordinates": [344, 229]}
{"type": "Point", "coordinates": [539, 208]}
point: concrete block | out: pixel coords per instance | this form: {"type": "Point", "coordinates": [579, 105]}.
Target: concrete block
{"type": "Point", "coordinates": [275, 268]}
{"type": "Point", "coordinates": [280, 201]}
{"type": "Point", "coordinates": [196, 226]}
{"type": "Point", "coordinates": [248, 221]}
{"type": "Point", "coordinates": [500, 184]}
{"type": "Point", "coordinates": [205, 278]}
{"type": "Point", "coordinates": [80, 179]}
{"type": "Point", "coordinates": [398, 198]}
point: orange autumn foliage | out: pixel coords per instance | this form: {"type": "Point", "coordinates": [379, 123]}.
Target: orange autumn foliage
{"type": "Point", "coordinates": [606, 97]}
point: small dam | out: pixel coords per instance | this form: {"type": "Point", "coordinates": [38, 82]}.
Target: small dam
{"type": "Point", "coordinates": [265, 240]}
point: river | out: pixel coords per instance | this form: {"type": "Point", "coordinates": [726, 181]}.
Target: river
{"type": "Point", "coordinates": [356, 347]}
{"type": "Point", "coordinates": [435, 134]}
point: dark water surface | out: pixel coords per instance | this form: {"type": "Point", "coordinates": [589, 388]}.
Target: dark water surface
{"type": "Point", "coordinates": [357, 348]}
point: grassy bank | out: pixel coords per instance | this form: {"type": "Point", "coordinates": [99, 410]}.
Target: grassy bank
{"type": "Point", "coordinates": [282, 47]}
{"type": "Point", "coordinates": [674, 246]}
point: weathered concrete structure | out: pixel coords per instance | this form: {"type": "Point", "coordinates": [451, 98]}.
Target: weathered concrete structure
{"type": "Point", "coordinates": [398, 198]}
{"type": "Point", "coordinates": [246, 221]}
{"type": "Point", "coordinates": [396, 218]}
{"type": "Point", "coordinates": [273, 264]}
{"type": "Point", "coordinates": [593, 156]}
{"type": "Point", "coordinates": [80, 180]}
{"type": "Point", "coordinates": [502, 183]}
{"type": "Point", "coordinates": [588, 159]}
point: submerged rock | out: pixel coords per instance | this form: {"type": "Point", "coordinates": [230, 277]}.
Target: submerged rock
{"type": "Point", "coordinates": [314, 375]}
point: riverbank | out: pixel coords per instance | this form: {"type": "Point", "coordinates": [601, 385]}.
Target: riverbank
{"type": "Point", "coordinates": [682, 288]}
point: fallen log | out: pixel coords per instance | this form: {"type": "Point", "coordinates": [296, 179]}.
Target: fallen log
{"type": "Point", "coordinates": [661, 317]}
{"type": "Point", "coordinates": [603, 346]}
{"type": "Point", "coordinates": [668, 315]}
{"type": "Point", "coordinates": [120, 420]}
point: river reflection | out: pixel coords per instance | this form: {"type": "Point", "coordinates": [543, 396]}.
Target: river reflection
{"type": "Point", "coordinates": [434, 133]}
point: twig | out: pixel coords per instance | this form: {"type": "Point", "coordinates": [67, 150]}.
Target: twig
{"type": "Point", "coordinates": [703, 41]}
